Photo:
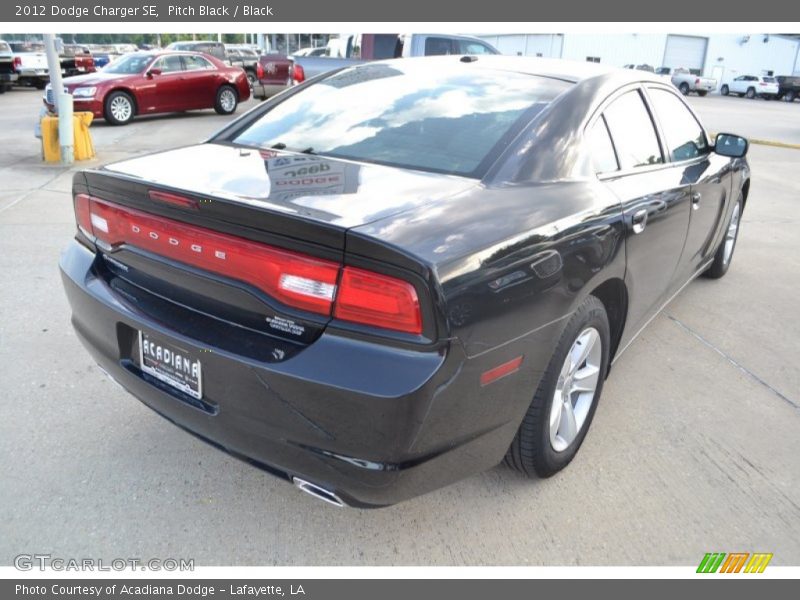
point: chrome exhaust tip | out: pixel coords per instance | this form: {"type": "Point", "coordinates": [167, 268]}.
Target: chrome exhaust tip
{"type": "Point", "coordinates": [318, 492]}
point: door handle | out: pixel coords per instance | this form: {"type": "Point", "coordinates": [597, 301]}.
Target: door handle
{"type": "Point", "coordinates": [696, 200]}
{"type": "Point", "coordinates": [639, 220]}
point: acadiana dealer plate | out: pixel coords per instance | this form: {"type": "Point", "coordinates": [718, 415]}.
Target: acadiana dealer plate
{"type": "Point", "coordinates": [170, 364]}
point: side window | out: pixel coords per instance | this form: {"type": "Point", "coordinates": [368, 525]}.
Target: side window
{"type": "Point", "coordinates": [435, 46]}
{"type": "Point", "coordinates": [170, 64]}
{"type": "Point", "coordinates": [685, 137]}
{"type": "Point", "coordinates": [601, 150]}
{"type": "Point", "coordinates": [633, 132]}
{"type": "Point", "coordinates": [468, 47]}
{"type": "Point", "coordinates": [196, 63]}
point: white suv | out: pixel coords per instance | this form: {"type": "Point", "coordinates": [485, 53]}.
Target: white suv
{"type": "Point", "coordinates": [751, 86]}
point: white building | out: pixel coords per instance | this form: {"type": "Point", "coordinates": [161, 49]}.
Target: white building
{"type": "Point", "coordinates": [721, 56]}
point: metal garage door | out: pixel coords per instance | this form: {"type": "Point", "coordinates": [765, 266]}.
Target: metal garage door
{"type": "Point", "coordinates": [685, 51]}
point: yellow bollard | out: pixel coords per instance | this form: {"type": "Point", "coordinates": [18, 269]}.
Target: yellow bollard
{"type": "Point", "coordinates": [84, 148]}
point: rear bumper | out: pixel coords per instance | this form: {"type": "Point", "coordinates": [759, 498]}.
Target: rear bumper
{"type": "Point", "coordinates": [262, 91]}
{"type": "Point", "coordinates": [373, 424]}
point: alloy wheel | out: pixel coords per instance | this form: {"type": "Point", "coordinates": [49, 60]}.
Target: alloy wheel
{"type": "Point", "coordinates": [730, 236]}
{"type": "Point", "coordinates": [121, 108]}
{"type": "Point", "coordinates": [575, 389]}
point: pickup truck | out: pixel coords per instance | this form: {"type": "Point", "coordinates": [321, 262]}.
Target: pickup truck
{"type": "Point", "coordinates": [273, 75]}
{"type": "Point", "coordinates": [8, 76]}
{"type": "Point", "coordinates": [788, 87]}
{"type": "Point", "coordinates": [76, 60]}
{"type": "Point", "coordinates": [30, 63]}
{"type": "Point", "coordinates": [687, 82]}
{"type": "Point", "coordinates": [347, 51]}
{"type": "Point", "coordinates": [244, 57]}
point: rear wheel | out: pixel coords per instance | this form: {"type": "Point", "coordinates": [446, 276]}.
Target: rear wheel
{"type": "Point", "coordinates": [684, 88]}
{"type": "Point", "coordinates": [701, 92]}
{"type": "Point", "coordinates": [118, 108]}
{"type": "Point", "coordinates": [251, 78]}
{"type": "Point", "coordinates": [563, 406]}
{"type": "Point", "coordinates": [724, 255]}
{"type": "Point", "coordinates": [227, 100]}
{"type": "Point", "coordinates": [751, 93]}
{"type": "Point", "coordinates": [725, 90]}
{"type": "Point", "coordinates": [790, 96]}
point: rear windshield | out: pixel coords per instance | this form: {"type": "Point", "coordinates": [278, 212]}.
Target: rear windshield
{"type": "Point", "coordinates": [769, 79]}
{"type": "Point", "coordinates": [454, 121]}
{"type": "Point", "coordinates": [27, 46]}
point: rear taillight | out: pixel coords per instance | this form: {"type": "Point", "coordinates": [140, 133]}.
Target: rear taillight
{"type": "Point", "coordinates": [378, 300]}
{"type": "Point", "coordinates": [298, 74]}
{"type": "Point", "coordinates": [295, 279]}
{"type": "Point", "coordinates": [697, 81]}
{"type": "Point", "coordinates": [17, 62]}
{"type": "Point", "coordinates": [761, 83]}
{"type": "Point", "coordinates": [259, 71]}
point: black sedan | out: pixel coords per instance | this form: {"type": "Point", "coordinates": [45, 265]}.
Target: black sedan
{"type": "Point", "coordinates": [400, 274]}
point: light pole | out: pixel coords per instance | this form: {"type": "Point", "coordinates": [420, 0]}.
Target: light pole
{"type": "Point", "coordinates": [61, 100]}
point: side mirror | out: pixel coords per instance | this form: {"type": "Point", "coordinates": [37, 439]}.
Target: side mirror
{"type": "Point", "coordinates": [152, 72]}
{"type": "Point", "coordinates": [731, 145]}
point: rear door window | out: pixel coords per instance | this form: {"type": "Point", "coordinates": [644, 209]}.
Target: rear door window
{"type": "Point", "coordinates": [633, 132]}
{"type": "Point", "coordinates": [601, 150]}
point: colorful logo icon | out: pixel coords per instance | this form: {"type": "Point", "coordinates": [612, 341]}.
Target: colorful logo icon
{"type": "Point", "coordinates": [735, 562]}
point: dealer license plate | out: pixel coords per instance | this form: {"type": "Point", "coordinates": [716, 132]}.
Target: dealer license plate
{"type": "Point", "coordinates": [170, 364]}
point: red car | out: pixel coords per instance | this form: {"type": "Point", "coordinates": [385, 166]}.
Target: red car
{"type": "Point", "coordinates": [143, 83]}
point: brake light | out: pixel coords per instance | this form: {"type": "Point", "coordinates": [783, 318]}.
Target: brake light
{"type": "Point", "coordinates": [295, 279]}
{"type": "Point", "coordinates": [762, 83]}
{"type": "Point", "coordinates": [298, 73]}
{"type": "Point", "coordinates": [17, 62]}
{"type": "Point", "coordinates": [378, 300]}
{"type": "Point", "coordinates": [173, 199]}
{"type": "Point", "coordinates": [259, 71]}
{"type": "Point", "coordinates": [697, 81]}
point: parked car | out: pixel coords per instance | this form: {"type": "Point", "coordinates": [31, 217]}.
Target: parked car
{"type": "Point", "coordinates": [30, 63]}
{"type": "Point", "coordinates": [788, 87]}
{"type": "Point", "coordinates": [273, 75]}
{"type": "Point", "coordinates": [8, 75]}
{"type": "Point", "coordinates": [752, 86]}
{"type": "Point", "coordinates": [76, 60]}
{"type": "Point", "coordinates": [399, 274]}
{"type": "Point", "coordinates": [642, 67]}
{"type": "Point", "coordinates": [156, 82]}
{"type": "Point", "coordinates": [359, 48]}
{"type": "Point", "coordinates": [244, 57]}
{"type": "Point", "coordinates": [215, 49]}
{"type": "Point", "coordinates": [688, 82]}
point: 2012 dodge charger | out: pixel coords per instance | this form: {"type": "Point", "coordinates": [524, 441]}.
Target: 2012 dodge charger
{"type": "Point", "coordinates": [399, 274]}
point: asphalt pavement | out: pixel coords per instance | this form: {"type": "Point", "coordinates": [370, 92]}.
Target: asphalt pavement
{"type": "Point", "coordinates": [694, 447]}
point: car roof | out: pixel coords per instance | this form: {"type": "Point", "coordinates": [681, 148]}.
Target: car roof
{"type": "Point", "coordinates": [556, 68]}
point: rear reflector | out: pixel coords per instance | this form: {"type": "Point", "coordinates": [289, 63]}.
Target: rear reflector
{"type": "Point", "coordinates": [499, 371]}
{"type": "Point", "coordinates": [296, 280]}
{"type": "Point", "coordinates": [378, 300]}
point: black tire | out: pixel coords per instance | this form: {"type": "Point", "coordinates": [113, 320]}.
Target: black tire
{"type": "Point", "coordinates": [750, 93]}
{"type": "Point", "coordinates": [39, 84]}
{"type": "Point", "coordinates": [701, 92]}
{"type": "Point", "coordinates": [532, 452]}
{"type": "Point", "coordinates": [684, 88]}
{"type": "Point", "coordinates": [790, 96]}
{"type": "Point", "coordinates": [226, 101]}
{"type": "Point", "coordinates": [722, 263]}
{"type": "Point", "coordinates": [724, 90]}
{"type": "Point", "coordinates": [251, 78]}
{"type": "Point", "coordinates": [114, 111]}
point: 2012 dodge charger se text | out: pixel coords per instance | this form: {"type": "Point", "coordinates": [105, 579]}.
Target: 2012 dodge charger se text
{"type": "Point", "coordinates": [399, 274]}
